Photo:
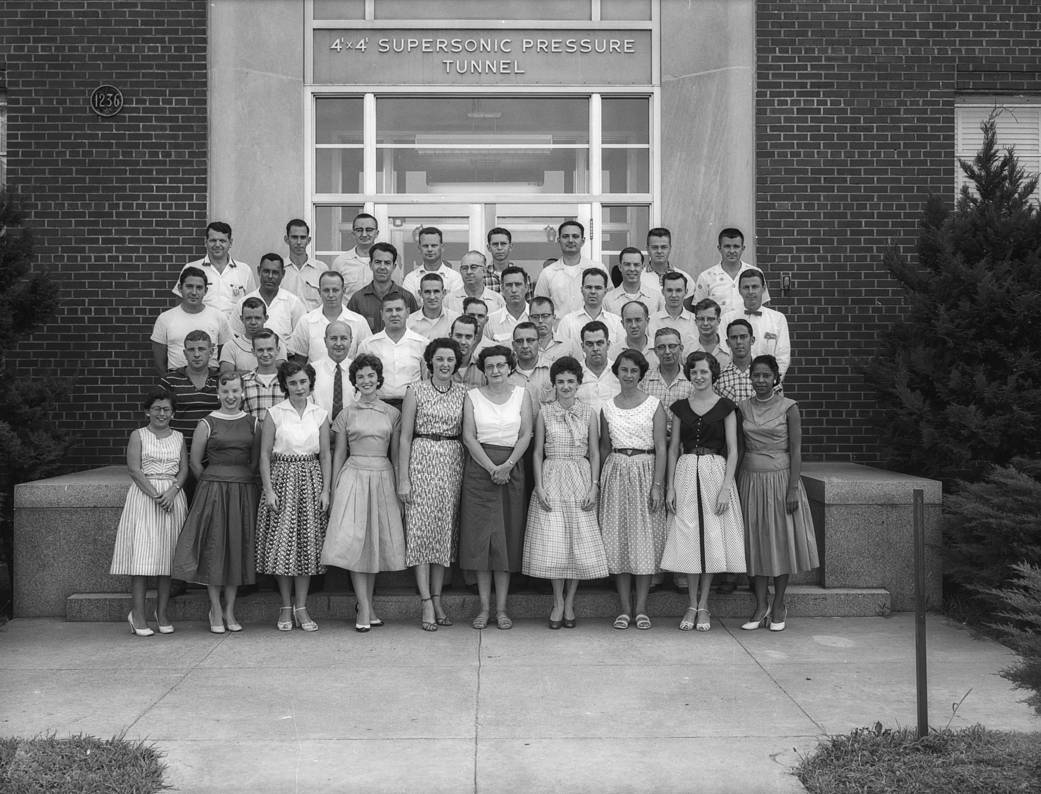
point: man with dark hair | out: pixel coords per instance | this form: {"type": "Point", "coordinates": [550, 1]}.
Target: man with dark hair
{"type": "Point", "coordinates": [735, 382]}
{"type": "Point", "coordinates": [308, 340]}
{"type": "Point", "coordinates": [227, 280]}
{"type": "Point", "coordinates": [594, 287]}
{"type": "Point", "coordinates": [368, 301]}
{"type": "Point", "coordinates": [353, 263]}
{"type": "Point", "coordinates": [194, 385]}
{"type": "Point", "coordinates": [302, 271]}
{"type": "Point", "coordinates": [260, 387]}
{"type": "Point", "coordinates": [720, 282]}
{"type": "Point", "coordinates": [400, 350]}
{"type": "Point", "coordinates": [599, 383]}
{"type": "Point", "coordinates": [432, 320]}
{"type": "Point", "coordinates": [636, 285]}
{"type": "Point", "coordinates": [282, 307]}
{"type": "Point", "coordinates": [635, 321]}
{"type": "Point", "coordinates": [464, 332]}
{"type": "Point", "coordinates": [707, 316]}
{"type": "Point", "coordinates": [478, 309]}
{"type": "Point", "coordinates": [674, 315]}
{"type": "Point", "coordinates": [502, 321]}
{"type": "Point", "coordinates": [531, 371]}
{"type": "Point", "coordinates": [500, 246]}
{"type": "Point", "coordinates": [769, 327]}
{"type": "Point", "coordinates": [172, 327]}
{"type": "Point", "coordinates": [659, 249]}
{"type": "Point", "coordinates": [431, 251]}
{"type": "Point", "coordinates": [551, 347]}
{"type": "Point", "coordinates": [562, 280]}
{"type": "Point", "coordinates": [237, 355]}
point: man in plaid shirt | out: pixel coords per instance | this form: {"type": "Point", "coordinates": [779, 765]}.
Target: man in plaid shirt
{"type": "Point", "coordinates": [500, 245]}
{"type": "Point", "coordinates": [260, 388]}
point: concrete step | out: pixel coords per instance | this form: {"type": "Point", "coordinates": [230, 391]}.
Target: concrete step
{"type": "Point", "coordinates": [397, 603]}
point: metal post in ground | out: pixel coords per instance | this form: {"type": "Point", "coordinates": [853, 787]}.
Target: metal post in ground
{"type": "Point", "coordinates": [921, 670]}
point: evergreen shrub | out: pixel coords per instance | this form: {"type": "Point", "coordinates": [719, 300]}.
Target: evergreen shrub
{"type": "Point", "coordinates": [1022, 629]}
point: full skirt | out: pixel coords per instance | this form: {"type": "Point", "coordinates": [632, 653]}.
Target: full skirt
{"type": "Point", "coordinates": [365, 531]}
{"type": "Point", "coordinates": [564, 542]}
{"type": "Point", "coordinates": [634, 536]}
{"type": "Point", "coordinates": [147, 535]}
{"type": "Point", "coordinates": [699, 541]}
{"type": "Point", "coordinates": [216, 546]}
{"type": "Point", "coordinates": [777, 542]}
{"type": "Point", "coordinates": [289, 539]}
{"type": "Point", "coordinates": [491, 520]}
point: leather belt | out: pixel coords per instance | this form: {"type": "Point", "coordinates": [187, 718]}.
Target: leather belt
{"type": "Point", "coordinates": [630, 451]}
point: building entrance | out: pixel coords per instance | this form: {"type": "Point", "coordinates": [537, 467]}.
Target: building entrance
{"type": "Point", "coordinates": [465, 227]}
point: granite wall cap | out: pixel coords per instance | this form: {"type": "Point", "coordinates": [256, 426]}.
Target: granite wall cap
{"type": "Point", "coordinates": [103, 487]}
{"type": "Point", "coordinates": [854, 484]}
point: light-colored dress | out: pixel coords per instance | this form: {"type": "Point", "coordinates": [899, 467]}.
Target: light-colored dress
{"type": "Point", "coordinates": [289, 540]}
{"type": "Point", "coordinates": [435, 470]}
{"type": "Point", "coordinates": [147, 535]}
{"type": "Point", "coordinates": [365, 530]}
{"type": "Point", "coordinates": [633, 534]}
{"type": "Point", "coordinates": [492, 517]}
{"type": "Point", "coordinates": [216, 546]}
{"type": "Point", "coordinates": [777, 542]}
{"type": "Point", "coordinates": [564, 542]}
{"type": "Point", "coordinates": [699, 541]}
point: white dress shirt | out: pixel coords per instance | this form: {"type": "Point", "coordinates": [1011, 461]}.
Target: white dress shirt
{"type": "Point", "coordinates": [501, 323]}
{"type": "Point", "coordinates": [770, 329]}
{"type": "Point", "coordinates": [493, 300]}
{"type": "Point", "coordinates": [302, 281]}
{"type": "Point", "coordinates": [596, 390]}
{"type": "Point", "coordinates": [569, 330]}
{"type": "Point", "coordinates": [223, 290]}
{"type": "Point", "coordinates": [716, 284]}
{"type": "Point", "coordinates": [563, 284]}
{"type": "Point", "coordinates": [308, 338]}
{"type": "Point", "coordinates": [283, 313]}
{"type": "Point", "coordinates": [648, 295]}
{"type": "Point", "coordinates": [684, 323]}
{"type": "Point", "coordinates": [432, 328]}
{"type": "Point", "coordinates": [452, 280]}
{"type": "Point", "coordinates": [324, 371]}
{"type": "Point", "coordinates": [403, 362]}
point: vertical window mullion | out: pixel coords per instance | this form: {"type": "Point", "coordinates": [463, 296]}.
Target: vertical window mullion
{"type": "Point", "coordinates": [369, 141]}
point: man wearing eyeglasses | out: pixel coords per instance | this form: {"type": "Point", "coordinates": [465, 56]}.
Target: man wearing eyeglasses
{"type": "Point", "coordinates": [472, 267]}
{"type": "Point", "coordinates": [354, 262]}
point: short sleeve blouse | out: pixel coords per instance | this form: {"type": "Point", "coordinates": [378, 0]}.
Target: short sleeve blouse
{"type": "Point", "coordinates": [296, 434]}
{"type": "Point", "coordinates": [703, 430]}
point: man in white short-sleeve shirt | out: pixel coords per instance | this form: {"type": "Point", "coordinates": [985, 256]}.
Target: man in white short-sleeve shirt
{"type": "Point", "coordinates": [308, 338]}
{"type": "Point", "coordinates": [501, 322]}
{"type": "Point", "coordinates": [284, 309]}
{"type": "Point", "coordinates": [473, 267]}
{"type": "Point", "coordinates": [353, 263]}
{"type": "Point", "coordinates": [599, 383]}
{"type": "Point", "coordinates": [227, 280]}
{"type": "Point", "coordinates": [675, 315]}
{"type": "Point", "coordinates": [400, 350]}
{"type": "Point", "coordinates": [594, 287]}
{"type": "Point", "coordinates": [769, 327]}
{"type": "Point", "coordinates": [173, 325]}
{"type": "Point", "coordinates": [432, 320]}
{"type": "Point", "coordinates": [302, 271]}
{"type": "Point", "coordinates": [637, 284]}
{"type": "Point", "coordinates": [561, 281]}
{"type": "Point", "coordinates": [720, 282]}
{"type": "Point", "coordinates": [431, 250]}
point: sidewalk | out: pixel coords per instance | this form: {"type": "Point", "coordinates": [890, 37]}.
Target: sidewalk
{"type": "Point", "coordinates": [526, 710]}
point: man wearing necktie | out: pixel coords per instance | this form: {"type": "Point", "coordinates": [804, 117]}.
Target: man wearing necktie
{"type": "Point", "coordinates": [769, 327]}
{"type": "Point", "coordinates": [332, 387]}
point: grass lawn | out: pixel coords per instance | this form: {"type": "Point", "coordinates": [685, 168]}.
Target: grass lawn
{"type": "Point", "coordinates": [968, 761]}
{"type": "Point", "coordinates": [79, 764]}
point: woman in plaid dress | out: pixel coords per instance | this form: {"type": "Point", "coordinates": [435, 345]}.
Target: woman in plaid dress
{"type": "Point", "coordinates": [563, 541]}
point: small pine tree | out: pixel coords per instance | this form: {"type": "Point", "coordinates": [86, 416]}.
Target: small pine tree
{"type": "Point", "coordinates": [1022, 608]}
{"type": "Point", "coordinates": [31, 445]}
{"type": "Point", "coordinates": [959, 375]}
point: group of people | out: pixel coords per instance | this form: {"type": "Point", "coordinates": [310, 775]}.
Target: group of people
{"type": "Point", "coordinates": [577, 425]}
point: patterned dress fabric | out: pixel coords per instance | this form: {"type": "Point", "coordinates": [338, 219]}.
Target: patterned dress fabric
{"type": "Point", "coordinates": [564, 542]}
{"type": "Point", "coordinates": [634, 536]}
{"type": "Point", "coordinates": [365, 530]}
{"type": "Point", "coordinates": [216, 546]}
{"type": "Point", "coordinates": [147, 535]}
{"type": "Point", "coordinates": [436, 473]}
{"type": "Point", "coordinates": [777, 542]}
{"type": "Point", "coordinates": [289, 540]}
{"type": "Point", "coordinates": [699, 541]}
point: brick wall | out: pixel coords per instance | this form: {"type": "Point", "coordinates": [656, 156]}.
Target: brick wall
{"type": "Point", "coordinates": [116, 205]}
{"type": "Point", "coordinates": [854, 128]}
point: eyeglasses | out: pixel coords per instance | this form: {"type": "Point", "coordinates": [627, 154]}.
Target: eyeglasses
{"type": "Point", "coordinates": [470, 268]}
{"type": "Point", "coordinates": [668, 348]}
{"type": "Point", "coordinates": [536, 317]}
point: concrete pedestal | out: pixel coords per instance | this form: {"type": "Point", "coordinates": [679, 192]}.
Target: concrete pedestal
{"type": "Point", "coordinates": [865, 529]}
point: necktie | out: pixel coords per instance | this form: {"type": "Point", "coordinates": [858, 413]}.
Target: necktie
{"type": "Point", "coordinates": [337, 392]}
